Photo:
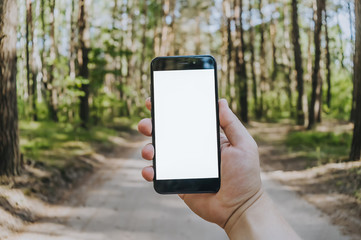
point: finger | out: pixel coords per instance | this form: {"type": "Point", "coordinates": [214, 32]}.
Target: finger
{"type": "Point", "coordinates": [148, 103]}
{"type": "Point", "coordinates": [145, 126]}
{"type": "Point", "coordinates": [148, 173]}
{"type": "Point", "coordinates": [234, 130]}
{"type": "Point", "coordinates": [148, 151]}
{"type": "Point", "coordinates": [223, 139]}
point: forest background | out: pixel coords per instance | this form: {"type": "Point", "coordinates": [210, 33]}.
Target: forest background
{"type": "Point", "coordinates": [74, 72]}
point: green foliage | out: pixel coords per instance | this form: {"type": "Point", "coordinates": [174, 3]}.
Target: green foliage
{"type": "Point", "coordinates": [322, 147]}
{"type": "Point", "coordinates": [341, 94]}
{"type": "Point", "coordinates": [55, 144]}
{"type": "Point", "coordinates": [128, 35]}
{"type": "Point", "coordinates": [97, 71]}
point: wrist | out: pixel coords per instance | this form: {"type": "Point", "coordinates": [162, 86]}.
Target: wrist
{"type": "Point", "coordinates": [238, 213]}
{"type": "Point", "coordinates": [261, 220]}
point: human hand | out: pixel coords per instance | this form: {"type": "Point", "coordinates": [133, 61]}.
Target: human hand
{"type": "Point", "coordinates": [240, 170]}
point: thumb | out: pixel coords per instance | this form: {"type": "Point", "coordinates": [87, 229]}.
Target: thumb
{"type": "Point", "coordinates": [236, 133]}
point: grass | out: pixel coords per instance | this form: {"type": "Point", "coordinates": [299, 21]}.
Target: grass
{"type": "Point", "coordinates": [59, 154]}
{"type": "Point", "coordinates": [57, 145]}
{"type": "Point", "coordinates": [320, 147]}
{"type": "Point", "coordinates": [54, 144]}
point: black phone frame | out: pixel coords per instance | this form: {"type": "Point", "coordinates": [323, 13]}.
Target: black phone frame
{"type": "Point", "coordinates": [181, 186]}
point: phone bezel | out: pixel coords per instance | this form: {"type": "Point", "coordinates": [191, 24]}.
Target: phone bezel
{"type": "Point", "coordinates": [179, 186]}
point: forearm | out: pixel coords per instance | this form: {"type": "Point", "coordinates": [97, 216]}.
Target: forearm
{"type": "Point", "coordinates": [259, 221]}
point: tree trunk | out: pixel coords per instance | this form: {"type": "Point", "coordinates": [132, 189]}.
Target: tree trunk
{"type": "Point", "coordinates": [286, 55]}
{"type": "Point", "coordinates": [240, 70]}
{"type": "Point", "coordinates": [328, 62]}
{"type": "Point", "coordinates": [251, 49]}
{"type": "Point", "coordinates": [229, 57]}
{"type": "Point", "coordinates": [30, 59]}
{"type": "Point", "coordinates": [43, 55]}
{"type": "Point", "coordinates": [157, 33]}
{"type": "Point", "coordinates": [83, 60]}
{"type": "Point", "coordinates": [300, 116]}
{"type": "Point", "coordinates": [262, 62]}
{"type": "Point", "coordinates": [9, 134]}
{"type": "Point", "coordinates": [230, 88]}
{"type": "Point", "coordinates": [273, 33]}
{"type": "Point", "coordinates": [130, 57]}
{"type": "Point", "coordinates": [318, 104]}
{"type": "Point", "coordinates": [27, 48]}
{"type": "Point", "coordinates": [53, 96]}
{"type": "Point", "coordinates": [353, 102]}
{"type": "Point", "coordinates": [197, 41]}
{"type": "Point", "coordinates": [355, 153]}
{"type": "Point", "coordinates": [315, 104]}
{"type": "Point", "coordinates": [34, 64]}
{"type": "Point", "coordinates": [72, 51]}
{"type": "Point", "coordinates": [144, 47]}
{"type": "Point", "coordinates": [123, 110]}
{"type": "Point", "coordinates": [224, 56]}
{"type": "Point", "coordinates": [308, 78]}
{"type": "Point", "coordinates": [167, 38]}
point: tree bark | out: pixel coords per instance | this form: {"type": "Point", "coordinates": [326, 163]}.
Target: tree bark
{"type": "Point", "coordinates": [262, 62]}
{"type": "Point", "coordinates": [300, 116]}
{"type": "Point", "coordinates": [240, 70]}
{"type": "Point", "coordinates": [229, 57]}
{"type": "Point", "coordinates": [27, 47]}
{"type": "Point", "coordinates": [353, 102]}
{"type": "Point", "coordinates": [35, 64]}
{"type": "Point", "coordinates": [53, 96]}
{"type": "Point", "coordinates": [198, 36]}
{"type": "Point", "coordinates": [308, 78]}
{"type": "Point", "coordinates": [230, 88]}
{"type": "Point", "coordinates": [9, 134]}
{"type": "Point", "coordinates": [273, 33]}
{"type": "Point", "coordinates": [252, 59]}
{"type": "Point", "coordinates": [43, 55]}
{"type": "Point", "coordinates": [157, 33]}
{"type": "Point", "coordinates": [123, 110]}
{"type": "Point", "coordinates": [167, 38]}
{"type": "Point", "coordinates": [319, 102]}
{"type": "Point", "coordinates": [355, 153]}
{"type": "Point", "coordinates": [286, 55]}
{"type": "Point", "coordinates": [315, 104]}
{"type": "Point", "coordinates": [72, 51]}
{"type": "Point", "coordinates": [130, 57]}
{"type": "Point", "coordinates": [224, 55]}
{"type": "Point", "coordinates": [83, 60]}
{"type": "Point", "coordinates": [144, 47]}
{"type": "Point", "coordinates": [328, 63]}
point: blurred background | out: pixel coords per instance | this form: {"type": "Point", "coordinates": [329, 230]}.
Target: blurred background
{"type": "Point", "coordinates": [100, 53]}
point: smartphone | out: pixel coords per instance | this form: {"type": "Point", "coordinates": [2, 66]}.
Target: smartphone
{"type": "Point", "coordinates": [184, 96]}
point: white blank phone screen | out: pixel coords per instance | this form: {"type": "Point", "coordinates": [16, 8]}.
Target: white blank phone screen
{"type": "Point", "coordinates": [185, 124]}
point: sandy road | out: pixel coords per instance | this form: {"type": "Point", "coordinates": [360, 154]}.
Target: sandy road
{"type": "Point", "coordinates": [308, 221]}
{"type": "Point", "coordinates": [116, 203]}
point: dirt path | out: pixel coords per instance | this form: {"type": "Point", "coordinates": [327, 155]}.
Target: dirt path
{"type": "Point", "coordinates": [324, 203]}
{"type": "Point", "coordinates": [308, 221]}
{"type": "Point", "coordinates": [116, 203]}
